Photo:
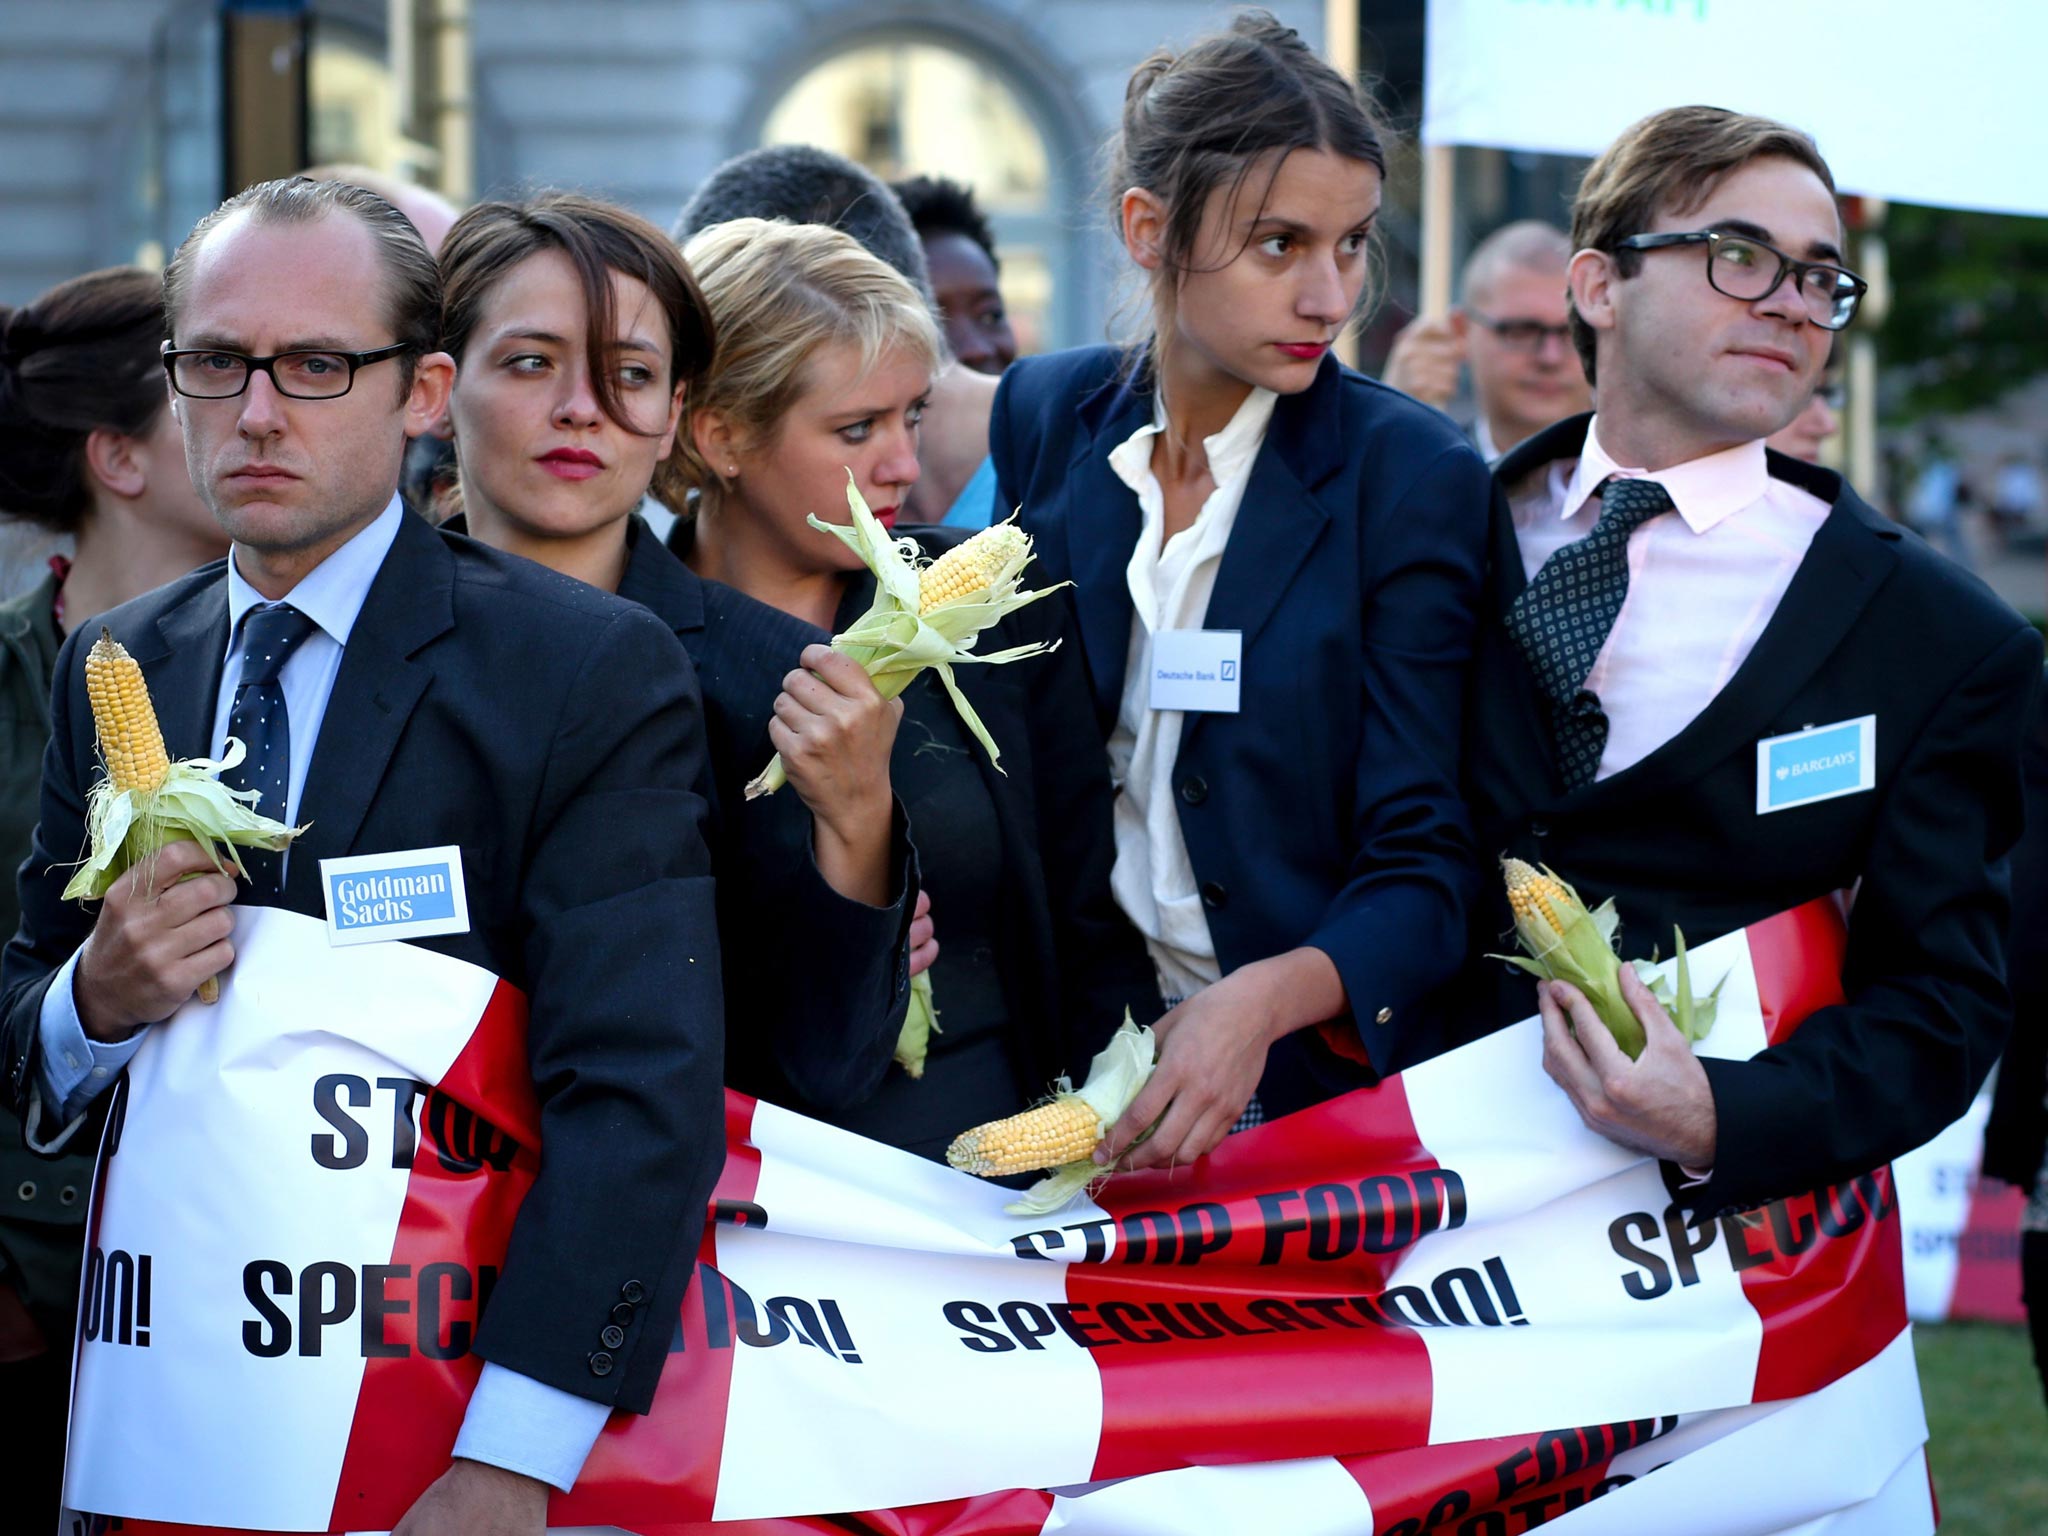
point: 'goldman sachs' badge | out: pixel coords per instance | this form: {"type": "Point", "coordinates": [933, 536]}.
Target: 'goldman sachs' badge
{"type": "Point", "coordinates": [410, 894]}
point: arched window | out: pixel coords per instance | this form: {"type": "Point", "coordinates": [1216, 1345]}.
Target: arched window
{"type": "Point", "coordinates": [908, 107]}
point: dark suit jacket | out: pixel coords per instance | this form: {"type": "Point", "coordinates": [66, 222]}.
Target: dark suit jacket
{"type": "Point", "coordinates": [814, 981]}
{"type": "Point", "coordinates": [1874, 622]}
{"type": "Point", "coordinates": [1326, 812]}
{"type": "Point", "coordinates": [1069, 961]}
{"type": "Point", "coordinates": [554, 733]}
{"type": "Point", "coordinates": [2017, 1138]}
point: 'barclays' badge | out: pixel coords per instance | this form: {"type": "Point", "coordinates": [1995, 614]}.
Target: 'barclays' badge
{"type": "Point", "coordinates": [410, 894]}
{"type": "Point", "coordinates": [1821, 762]}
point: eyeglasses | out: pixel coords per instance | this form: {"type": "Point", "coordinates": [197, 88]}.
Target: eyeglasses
{"type": "Point", "coordinates": [1519, 335]}
{"type": "Point", "coordinates": [207, 374]}
{"type": "Point", "coordinates": [1737, 266]}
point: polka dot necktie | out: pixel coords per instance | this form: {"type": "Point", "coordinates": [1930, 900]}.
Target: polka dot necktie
{"type": "Point", "coordinates": [1563, 618]}
{"type": "Point", "coordinates": [270, 633]}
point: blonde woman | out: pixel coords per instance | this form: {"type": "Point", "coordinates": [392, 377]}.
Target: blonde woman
{"type": "Point", "coordinates": [824, 363]}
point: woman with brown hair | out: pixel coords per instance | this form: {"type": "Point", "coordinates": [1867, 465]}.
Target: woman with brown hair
{"type": "Point", "coordinates": [578, 334]}
{"type": "Point", "coordinates": [89, 452]}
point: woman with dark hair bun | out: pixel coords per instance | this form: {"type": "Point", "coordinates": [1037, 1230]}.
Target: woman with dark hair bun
{"type": "Point", "coordinates": [1277, 572]}
{"type": "Point", "coordinates": [88, 451]}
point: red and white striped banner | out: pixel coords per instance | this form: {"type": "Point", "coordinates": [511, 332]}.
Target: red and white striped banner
{"type": "Point", "coordinates": [1438, 1305]}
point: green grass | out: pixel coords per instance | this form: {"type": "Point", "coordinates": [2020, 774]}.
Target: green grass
{"type": "Point", "coordinates": [1987, 1429]}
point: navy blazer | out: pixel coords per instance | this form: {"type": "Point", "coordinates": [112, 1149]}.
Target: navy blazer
{"type": "Point", "coordinates": [1326, 811]}
{"type": "Point", "coordinates": [1873, 623]}
{"type": "Point", "coordinates": [555, 734]}
{"type": "Point", "coordinates": [820, 1021]}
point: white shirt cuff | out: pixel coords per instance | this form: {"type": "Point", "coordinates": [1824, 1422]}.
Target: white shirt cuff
{"type": "Point", "coordinates": [528, 1427]}
{"type": "Point", "coordinates": [1694, 1177]}
{"type": "Point", "coordinates": [74, 1070]}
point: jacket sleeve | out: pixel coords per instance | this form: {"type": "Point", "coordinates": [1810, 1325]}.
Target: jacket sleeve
{"type": "Point", "coordinates": [625, 1027]}
{"type": "Point", "coordinates": [829, 1024]}
{"type": "Point", "coordinates": [1396, 929]}
{"type": "Point", "coordinates": [2017, 1137]}
{"type": "Point", "coordinates": [1927, 1009]}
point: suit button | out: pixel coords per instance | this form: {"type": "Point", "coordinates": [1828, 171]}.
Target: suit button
{"type": "Point", "coordinates": [622, 1313]}
{"type": "Point", "coordinates": [634, 1292]}
{"type": "Point", "coordinates": [1213, 894]}
{"type": "Point", "coordinates": [1195, 790]}
{"type": "Point", "coordinates": [613, 1337]}
{"type": "Point", "coordinates": [600, 1364]}
{"type": "Point", "coordinates": [1384, 1016]}
{"type": "Point", "coordinates": [1539, 829]}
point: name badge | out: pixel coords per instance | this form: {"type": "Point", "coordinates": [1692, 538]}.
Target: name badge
{"type": "Point", "coordinates": [1196, 669]}
{"type": "Point", "coordinates": [1822, 762]}
{"type": "Point", "coordinates": [411, 894]}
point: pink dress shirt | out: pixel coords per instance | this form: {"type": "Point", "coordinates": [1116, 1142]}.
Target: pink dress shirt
{"type": "Point", "coordinates": [1703, 581]}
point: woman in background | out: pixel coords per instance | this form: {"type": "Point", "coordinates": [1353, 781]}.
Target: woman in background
{"type": "Point", "coordinates": [88, 451]}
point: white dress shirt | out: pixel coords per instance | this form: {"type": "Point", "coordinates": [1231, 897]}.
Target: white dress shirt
{"type": "Point", "coordinates": [1170, 581]}
{"type": "Point", "coordinates": [513, 1421]}
{"type": "Point", "coordinates": [1703, 580]}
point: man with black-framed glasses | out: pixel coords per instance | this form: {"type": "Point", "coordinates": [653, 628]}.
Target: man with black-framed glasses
{"type": "Point", "coordinates": [1715, 684]}
{"type": "Point", "coordinates": [418, 704]}
{"type": "Point", "coordinates": [1508, 333]}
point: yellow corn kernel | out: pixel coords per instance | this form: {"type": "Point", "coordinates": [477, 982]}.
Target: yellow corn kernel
{"type": "Point", "coordinates": [131, 742]}
{"type": "Point", "coordinates": [1531, 893]}
{"type": "Point", "coordinates": [968, 568]}
{"type": "Point", "coordinates": [1050, 1136]}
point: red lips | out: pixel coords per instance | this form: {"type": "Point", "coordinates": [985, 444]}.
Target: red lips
{"type": "Point", "coordinates": [886, 516]}
{"type": "Point", "coordinates": [1307, 351]}
{"type": "Point", "coordinates": [571, 463]}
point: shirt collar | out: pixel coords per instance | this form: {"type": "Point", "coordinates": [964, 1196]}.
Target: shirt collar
{"type": "Point", "coordinates": [1229, 452]}
{"type": "Point", "coordinates": [332, 593]}
{"type": "Point", "coordinates": [1706, 491]}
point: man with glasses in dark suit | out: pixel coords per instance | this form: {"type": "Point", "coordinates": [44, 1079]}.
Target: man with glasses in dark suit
{"type": "Point", "coordinates": [1715, 684]}
{"type": "Point", "coordinates": [399, 690]}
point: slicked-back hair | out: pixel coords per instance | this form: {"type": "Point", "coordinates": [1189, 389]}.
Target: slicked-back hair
{"type": "Point", "coordinates": [802, 184]}
{"type": "Point", "coordinates": [1671, 162]}
{"type": "Point", "coordinates": [940, 207]}
{"type": "Point", "coordinates": [598, 238]}
{"type": "Point", "coordinates": [412, 284]}
{"type": "Point", "coordinates": [81, 357]}
{"type": "Point", "coordinates": [1225, 108]}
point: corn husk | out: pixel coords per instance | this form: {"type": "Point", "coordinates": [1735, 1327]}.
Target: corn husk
{"type": "Point", "coordinates": [1580, 949]}
{"type": "Point", "coordinates": [1116, 1077]}
{"type": "Point", "coordinates": [920, 1023]}
{"type": "Point", "coordinates": [895, 643]}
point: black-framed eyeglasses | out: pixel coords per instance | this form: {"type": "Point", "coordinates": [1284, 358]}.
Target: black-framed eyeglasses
{"type": "Point", "coordinates": [207, 373]}
{"type": "Point", "coordinates": [1736, 267]}
{"type": "Point", "coordinates": [1522, 335]}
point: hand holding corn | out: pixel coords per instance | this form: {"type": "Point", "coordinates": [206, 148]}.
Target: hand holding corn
{"type": "Point", "coordinates": [143, 802]}
{"type": "Point", "coordinates": [927, 616]}
{"type": "Point", "coordinates": [1566, 942]}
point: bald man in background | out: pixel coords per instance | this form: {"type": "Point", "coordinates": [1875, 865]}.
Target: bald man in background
{"type": "Point", "coordinates": [1510, 332]}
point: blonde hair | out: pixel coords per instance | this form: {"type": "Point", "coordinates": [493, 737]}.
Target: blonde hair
{"type": "Point", "coordinates": [776, 293]}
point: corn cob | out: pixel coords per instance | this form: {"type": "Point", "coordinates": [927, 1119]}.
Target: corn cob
{"type": "Point", "coordinates": [144, 800]}
{"type": "Point", "coordinates": [970, 567]}
{"type": "Point", "coordinates": [1536, 894]}
{"type": "Point", "coordinates": [131, 742]}
{"type": "Point", "coordinates": [1064, 1131]}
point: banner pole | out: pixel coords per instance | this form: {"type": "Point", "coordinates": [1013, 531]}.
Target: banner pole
{"type": "Point", "coordinates": [1439, 200]}
{"type": "Point", "coordinates": [1340, 47]}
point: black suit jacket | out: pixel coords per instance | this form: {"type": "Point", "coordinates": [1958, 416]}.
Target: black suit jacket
{"type": "Point", "coordinates": [1069, 962]}
{"type": "Point", "coordinates": [1873, 623]}
{"type": "Point", "coordinates": [2017, 1138]}
{"type": "Point", "coordinates": [815, 981]}
{"type": "Point", "coordinates": [554, 733]}
{"type": "Point", "coordinates": [1326, 812]}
